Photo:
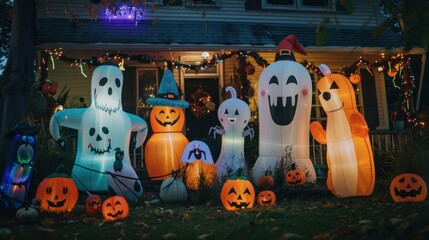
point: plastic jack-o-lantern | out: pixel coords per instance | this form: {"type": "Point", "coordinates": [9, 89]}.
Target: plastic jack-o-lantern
{"type": "Point", "coordinates": [115, 208]}
{"type": "Point", "coordinates": [93, 204]}
{"type": "Point", "coordinates": [238, 192]}
{"type": "Point", "coordinates": [165, 146]}
{"type": "Point", "coordinates": [295, 176]}
{"type": "Point", "coordinates": [57, 193]}
{"type": "Point", "coordinates": [265, 181]}
{"type": "Point", "coordinates": [266, 198]}
{"type": "Point", "coordinates": [408, 187]}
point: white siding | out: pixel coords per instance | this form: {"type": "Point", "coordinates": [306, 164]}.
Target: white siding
{"type": "Point", "coordinates": [365, 13]}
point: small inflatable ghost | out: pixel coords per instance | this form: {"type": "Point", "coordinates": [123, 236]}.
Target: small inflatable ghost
{"type": "Point", "coordinates": [349, 154]}
{"type": "Point", "coordinates": [200, 169]}
{"type": "Point", "coordinates": [284, 95]}
{"type": "Point", "coordinates": [102, 127]}
{"type": "Point", "coordinates": [18, 172]}
{"type": "Point", "coordinates": [234, 115]}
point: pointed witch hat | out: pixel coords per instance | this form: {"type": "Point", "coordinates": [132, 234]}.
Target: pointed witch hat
{"type": "Point", "coordinates": [287, 47]}
{"type": "Point", "coordinates": [168, 94]}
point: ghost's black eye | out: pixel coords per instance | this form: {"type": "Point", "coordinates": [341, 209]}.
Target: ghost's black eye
{"type": "Point", "coordinates": [103, 81]}
{"type": "Point", "coordinates": [118, 82]}
{"type": "Point", "coordinates": [334, 86]}
{"type": "Point", "coordinates": [105, 130]}
{"type": "Point", "coordinates": [91, 132]}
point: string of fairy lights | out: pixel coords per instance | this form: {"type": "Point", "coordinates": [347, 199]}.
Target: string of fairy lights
{"type": "Point", "coordinates": [396, 66]}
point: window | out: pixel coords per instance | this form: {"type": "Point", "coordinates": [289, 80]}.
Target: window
{"type": "Point", "coordinates": [203, 3]}
{"type": "Point", "coordinates": [316, 5]}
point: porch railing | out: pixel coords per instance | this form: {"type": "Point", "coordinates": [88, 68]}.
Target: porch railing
{"type": "Point", "coordinates": [381, 140]}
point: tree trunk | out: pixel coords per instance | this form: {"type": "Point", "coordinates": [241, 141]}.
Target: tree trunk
{"type": "Point", "coordinates": [18, 76]}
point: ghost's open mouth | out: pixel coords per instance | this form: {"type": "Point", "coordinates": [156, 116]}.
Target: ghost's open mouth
{"type": "Point", "coordinates": [100, 151]}
{"type": "Point", "coordinates": [105, 106]}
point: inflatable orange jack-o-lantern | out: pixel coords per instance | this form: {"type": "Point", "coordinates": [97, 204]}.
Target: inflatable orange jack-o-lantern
{"type": "Point", "coordinates": [57, 193]}
{"type": "Point", "coordinates": [266, 198]}
{"type": "Point", "coordinates": [237, 192]}
{"type": "Point", "coordinates": [93, 204]}
{"type": "Point", "coordinates": [115, 208]}
{"type": "Point", "coordinates": [408, 187]}
{"type": "Point", "coordinates": [167, 118]}
{"type": "Point", "coordinates": [349, 154]}
{"type": "Point", "coordinates": [165, 146]}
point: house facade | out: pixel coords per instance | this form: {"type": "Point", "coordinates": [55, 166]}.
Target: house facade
{"type": "Point", "coordinates": [211, 44]}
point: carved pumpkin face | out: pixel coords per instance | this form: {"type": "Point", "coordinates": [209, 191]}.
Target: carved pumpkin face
{"type": "Point", "coordinates": [295, 177]}
{"type": "Point", "coordinates": [266, 198]}
{"type": "Point", "coordinates": [237, 193]}
{"type": "Point", "coordinates": [115, 208]}
{"type": "Point", "coordinates": [93, 204]}
{"type": "Point", "coordinates": [167, 119]}
{"type": "Point", "coordinates": [57, 193]}
{"type": "Point", "coordinates": [408, 187]}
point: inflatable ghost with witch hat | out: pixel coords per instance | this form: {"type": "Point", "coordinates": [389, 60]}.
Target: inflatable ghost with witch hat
{"type": "Point", "coordinates": [102, 127]}
{"type": "Point", "coordinates": [284, 95]}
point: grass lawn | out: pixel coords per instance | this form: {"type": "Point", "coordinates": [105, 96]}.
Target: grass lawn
{"type": "Point", "coordinates": [293, 217]}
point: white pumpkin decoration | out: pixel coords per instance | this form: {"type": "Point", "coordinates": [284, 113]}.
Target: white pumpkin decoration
{"type": "Point", "coordinates": [173, 190]}
{"type": "Point", "coordinates": [27, 215]}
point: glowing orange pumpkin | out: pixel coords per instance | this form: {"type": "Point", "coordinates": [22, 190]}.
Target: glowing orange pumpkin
{"type": "Point", "coordinates": [295, 176]}
{"type": "Point", "coordinates": [266, 198]}
{"type": "Point", "coordinates": [355, 78]}
{"type": "Point", "coordinates": [115, 208]}
{"type": "Point", "coordinates": [237, 192]}
{"type": "Point", "coordinates": [93, 204]}
{"type": "Point", "coordinates": [57, 193]}
{"type": "Point", "coordinates": [167, 119]}
{"type": "Point", "coordinates": [198, 174]}
{"type": "Point", "coordinates": [408, 187]}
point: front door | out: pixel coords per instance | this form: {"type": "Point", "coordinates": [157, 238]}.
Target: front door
{"type": "Point", "coordinates": [201, 115]}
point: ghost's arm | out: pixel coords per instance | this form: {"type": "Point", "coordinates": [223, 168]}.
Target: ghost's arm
{"type": "Point", "coordinates": [248, 132]}
{"type": "Point", "coordinates": [217, 130]}
{"type": "Point", "coordinates": [138, 125]}
{"type": "Point", "coordinates": [318, 132]}
{"type": "Point", "coordinates": [70, 118]}
{"type": "Point", "coordinates": [358, 125]}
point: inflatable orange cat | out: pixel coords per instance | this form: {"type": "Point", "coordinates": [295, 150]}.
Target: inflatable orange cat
{"type": "Point", "coordinates": [349, 154]}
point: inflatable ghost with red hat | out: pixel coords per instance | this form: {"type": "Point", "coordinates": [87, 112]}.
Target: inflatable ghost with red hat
{"type": "Point", "coordinates": [285, 96]}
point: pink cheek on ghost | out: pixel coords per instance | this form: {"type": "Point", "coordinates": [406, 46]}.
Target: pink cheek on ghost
{"type": "Point", "coordinates": [304, 92]}
{"type": "Point", "coordinates": [263, 93]}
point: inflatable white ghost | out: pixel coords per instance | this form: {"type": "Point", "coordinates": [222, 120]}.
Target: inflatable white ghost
{"type": "Point", "coordinates": [284, 95]}
{"type": "Point", "coordinates": [102, 127]}
{"type": "Point", "coordinates": [234, 115]}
